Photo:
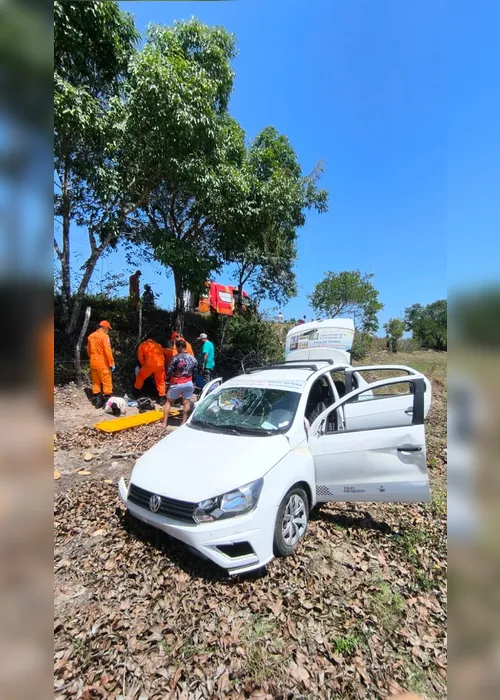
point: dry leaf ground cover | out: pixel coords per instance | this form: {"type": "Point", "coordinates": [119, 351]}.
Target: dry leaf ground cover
{"type": "Point", "coordinates": [359, 612]}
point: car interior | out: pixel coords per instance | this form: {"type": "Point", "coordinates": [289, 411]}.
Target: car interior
{"type": "Point", "coordinates": [320, 398]}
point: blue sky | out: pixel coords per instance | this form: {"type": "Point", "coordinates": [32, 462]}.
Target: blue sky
{"type": "Point", "coordinates": [365, 87]}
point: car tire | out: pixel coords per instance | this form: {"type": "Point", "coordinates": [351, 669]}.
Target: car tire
{"type": "Point", "coordinates": [294, 509]}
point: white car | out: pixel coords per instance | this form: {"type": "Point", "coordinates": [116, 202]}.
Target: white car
{"type": "Point", "coordinates": [237, 482]}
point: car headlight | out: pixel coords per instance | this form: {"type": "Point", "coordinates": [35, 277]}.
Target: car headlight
{"type": "Point", "coordinates": [236, 502]}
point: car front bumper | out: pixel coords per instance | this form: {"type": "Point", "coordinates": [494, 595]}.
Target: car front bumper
{"type": "Point", "coordinates": [255, 528]}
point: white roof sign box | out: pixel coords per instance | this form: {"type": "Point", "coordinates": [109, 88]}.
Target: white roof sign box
{"type": "Point", "coordinates": [321, 340]}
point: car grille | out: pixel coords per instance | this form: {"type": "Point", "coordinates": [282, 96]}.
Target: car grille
{"type": "Point", "coordinates": [177, 510]}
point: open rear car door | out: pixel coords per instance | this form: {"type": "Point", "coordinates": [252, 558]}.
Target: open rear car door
{"type": "Point", "coordinates": [375, 462]}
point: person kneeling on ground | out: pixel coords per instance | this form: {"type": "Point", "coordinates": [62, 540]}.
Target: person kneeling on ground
{"type": "Point", "coordinates": [180, 375]}
{"type": "Point", "coordinates": [152, 361]}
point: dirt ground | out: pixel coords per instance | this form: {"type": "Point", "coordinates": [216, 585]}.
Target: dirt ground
{"type": "Point", "coordinates": [358, 612]}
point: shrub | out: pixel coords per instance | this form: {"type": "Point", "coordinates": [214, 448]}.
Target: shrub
{"type": "Point", "coordinates": [362, 345]}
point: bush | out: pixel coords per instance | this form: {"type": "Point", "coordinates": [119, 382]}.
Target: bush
{"type": "Point", "coordinates": [362, 344]}
{"type": "Point", "coordinates": [124, 320]}
{"type": "Point", "coordinates": [248, 341]}
{"type": "Point", "coordinates": [408, 345]}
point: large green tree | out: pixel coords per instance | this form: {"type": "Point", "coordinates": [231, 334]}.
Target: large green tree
{"type": "Point", "coordinates": [429, 324]}
{"type": "Point", "coordinates": [199, 183]}
{"type": "Point", "coordinates": [351, 293]}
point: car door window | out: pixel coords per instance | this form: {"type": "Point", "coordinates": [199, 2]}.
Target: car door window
{"type": "Point", "coordinates": [320, 398]}
{"type": "Point", "coordinates": [342, 419]}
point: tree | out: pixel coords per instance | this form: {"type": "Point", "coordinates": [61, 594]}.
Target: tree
{"type": "Point", "coordinates": [93, 43]}
{"type": "Point", "coordinates": [348, 293]}
{"type": "Point", "coordinates": [394, 329]}
{"type": "Point", "coordinates": [276, 196]}
{"type": "Point", "coordinates": [428, 324]}
{"type": "Point", "coordinates": [199, 181]}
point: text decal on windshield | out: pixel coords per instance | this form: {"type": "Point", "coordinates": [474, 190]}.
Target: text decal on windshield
{"type": "Point", "coordinates": [290, 384]}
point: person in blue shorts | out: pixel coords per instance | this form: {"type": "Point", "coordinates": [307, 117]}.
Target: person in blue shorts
{"type": "Point", "coordinates": [180, 377]}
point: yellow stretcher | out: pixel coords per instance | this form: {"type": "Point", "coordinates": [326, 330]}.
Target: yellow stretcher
{"type": "Point", "coordinates": [113, 426]}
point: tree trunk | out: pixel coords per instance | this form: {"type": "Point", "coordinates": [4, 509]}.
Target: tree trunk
{"type": "Point", "coordinates": [64, 254]}
{"type": "Point", "coordinates": [78, 364]}
{"type": "Point", "coordinates": [239, 300]}
{"type": "Point", "coordinates": [89, 267]}
{"type": "Point", "coordinates": [139, 335]}
{"type": "Point", "coordinates": [179, 304]}
{"type": "Point", "coordinates": [65, 268]}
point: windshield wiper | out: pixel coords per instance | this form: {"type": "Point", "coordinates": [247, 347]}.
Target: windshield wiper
{"type": "Point", "coordinates": [216, 428]}
{"type": "Point", "coordinates": [249, 431]}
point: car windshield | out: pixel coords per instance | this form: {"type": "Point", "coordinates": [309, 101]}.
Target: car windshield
{"type": "Point", "coordinates": [247, 411]}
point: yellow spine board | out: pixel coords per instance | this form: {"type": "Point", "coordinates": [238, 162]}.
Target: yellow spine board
{"type": "Point", "coordinates": [113, 426]}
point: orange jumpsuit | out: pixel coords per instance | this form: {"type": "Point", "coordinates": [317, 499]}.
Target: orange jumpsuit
{"type": "Point", "coordinates": [152, 361]}
{"type": "Point", "coordinates": [133, 283]}
{"type": "Point", "coordinates": [189, 349]}
{"type": "Point", "coordinates": [101, 361]}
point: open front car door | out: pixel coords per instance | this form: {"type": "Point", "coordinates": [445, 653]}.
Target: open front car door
{"type": "Point", "coordinates": [374, 462]}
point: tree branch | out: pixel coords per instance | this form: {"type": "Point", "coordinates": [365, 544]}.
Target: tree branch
{"type": "Point", "coordinates": [58, 250]}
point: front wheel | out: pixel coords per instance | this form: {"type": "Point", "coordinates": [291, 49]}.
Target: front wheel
{"type": "Point", "coordinates": [291, 522]}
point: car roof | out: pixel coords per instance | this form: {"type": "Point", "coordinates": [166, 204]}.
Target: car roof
{"type": "Point", "coordinates": [289, 377]}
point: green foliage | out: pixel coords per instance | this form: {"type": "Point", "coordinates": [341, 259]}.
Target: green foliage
{"type": "Point", "coordinates": [350, 293]}
{"type": "Point", "coordinates": [362, 345]}
{"type": "Point", "coordinates": [345, 644]}
{"type": "Point", "coordinates": [96, 181]}
{"type": "Point", "coordinates": [408, 345]}
{"type": "Point", "coordinates": [249, 340]}
{"type": "Point", "coordinates": [184, 76]}
{"type": "Point", "coordinates": [273, 205]}
{"type": "Point", "coordinates": [428, 324]}
{"type": "Point", "coordinates": [394, 329]}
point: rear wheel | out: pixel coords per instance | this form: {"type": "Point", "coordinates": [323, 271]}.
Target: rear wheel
{"type": "Point", "coordinates": [291, 522]}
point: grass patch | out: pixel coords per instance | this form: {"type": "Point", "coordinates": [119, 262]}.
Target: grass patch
{"type": "Point", "coordinates": [439, 506]}
{"type": "Point", "coordinates": [387, 606]}
{"type": "Point", "coordinates": [345, 645]}
{"type": "Point", "coordinates": [262, 660]}
{"type": "Point", "coordinates": [409, 540]}
{"type": "Point", "coordinates": [82, 651]}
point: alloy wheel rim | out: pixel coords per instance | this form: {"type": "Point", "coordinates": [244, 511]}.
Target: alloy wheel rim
{"type": "Point", "coordinates": [294, 520]}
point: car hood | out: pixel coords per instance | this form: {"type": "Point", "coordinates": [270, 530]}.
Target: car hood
{"type": "Point", "coordinates": [191, 465]}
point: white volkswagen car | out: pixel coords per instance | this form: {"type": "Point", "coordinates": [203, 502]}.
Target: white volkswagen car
{"type": "Point", "coordinates": [237, 482]}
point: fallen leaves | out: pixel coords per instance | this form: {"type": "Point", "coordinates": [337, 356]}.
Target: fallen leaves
{"type": "Point", "coordinates": [358, 610]}
{"type": "Point", "coordinates": [57, 474]}
{"type": "Point", "coordinates": [88, 457]}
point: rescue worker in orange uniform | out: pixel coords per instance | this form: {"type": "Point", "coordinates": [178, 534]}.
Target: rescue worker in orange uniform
{"type": "Point", "coordinates": [134, 290]}
{"type": "Point", "coordinates": [101, 364]}
{"type": "Point", "coordinates": [176, 336]}
{"type": "Point", "coordinates": [152, 362]}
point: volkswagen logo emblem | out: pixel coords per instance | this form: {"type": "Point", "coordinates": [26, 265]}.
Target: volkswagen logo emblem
{"type": "Point", "coordinates": [155, 503]}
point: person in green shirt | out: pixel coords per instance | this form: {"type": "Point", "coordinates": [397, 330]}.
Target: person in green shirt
{"type": "Point", "coordinates": [207, 357]}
